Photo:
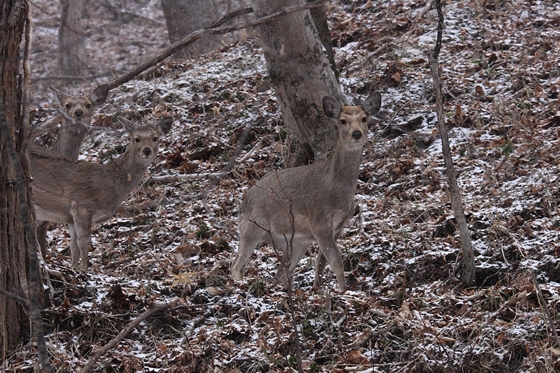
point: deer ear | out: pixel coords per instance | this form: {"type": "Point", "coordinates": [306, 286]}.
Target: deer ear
{"type": "Point", "coordinates": [164, 125]}
{"type": "Point", "coordinates": [128, 125]}
{"type": "Point", "coordinates": [372, 104]}
{"type": "Point", "coordinates": [99, 94]}
{"type": "Point", "coordinates": [331, 107]}
{"type": "Point", "coordinates": [60, 95]}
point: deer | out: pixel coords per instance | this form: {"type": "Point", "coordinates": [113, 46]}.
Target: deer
{"type": "Point", "coordinates": [75, 116]}
{"type": "Point", "coordinates": [81, 193]}
{"type": "Point", "coordinates": [291, 208]}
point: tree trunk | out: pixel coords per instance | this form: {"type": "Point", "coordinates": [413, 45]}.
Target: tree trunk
{"type": "Point", "coordinates": [71, 40]}
{"type": "Point", "coordinates": [301, 75]}
{"type": "Point", "coordinates": [319, 15]}
{"type": "Point", "coordinates": [14, 278]}
{"type": "Point", "coordinates": [186, 16]}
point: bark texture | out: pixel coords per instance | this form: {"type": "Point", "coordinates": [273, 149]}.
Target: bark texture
{"type": "Point", "coordinates": [71, 40]}
{"type": "Point", "coordinates": [301, 75]}
{"type": "Point", "coordinates": [14, 323]}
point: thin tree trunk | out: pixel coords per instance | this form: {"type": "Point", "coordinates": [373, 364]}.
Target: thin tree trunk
{"type": "Point", "coordinates": [468, 273]}
{"type": "Point", "coordinates": [20, 278]}
{"type": "Point", "coordinates": [14, 323]}
{"type": "Point", "coordinates": [301, 75]}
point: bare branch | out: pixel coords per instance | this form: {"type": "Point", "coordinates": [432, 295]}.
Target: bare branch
{"type": "Point", "coordinates": [21, 300]}
{"type": "Point", "coordinates": [130, 327]}
{"type": "Point", "coordinates": [214, 29]}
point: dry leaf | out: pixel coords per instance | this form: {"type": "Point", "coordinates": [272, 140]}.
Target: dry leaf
{"type": "Point", "coordinates": [405, 311]}
{"type": "Point", "coordinates": [479, 90]}
{"type": "Point", "coordinates": [356, 357]}
{"type": "Point", "coordinates": [184, 278]}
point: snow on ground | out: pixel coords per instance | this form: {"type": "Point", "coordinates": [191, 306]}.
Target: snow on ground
{"type": "Point", "coordinates": [405, 312]}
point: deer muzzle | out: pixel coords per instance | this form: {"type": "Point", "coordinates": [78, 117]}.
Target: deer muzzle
{"type": "Point", "coordinates": [357, 135]}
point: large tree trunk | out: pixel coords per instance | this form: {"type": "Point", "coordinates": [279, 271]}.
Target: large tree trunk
{"type": "Point", "coordinates": [71, 40]}
{"type": "Point", "coordinates": [14, 278]}
{"type": "Point", "coordinates": [183, 17]}
{"type": "Point", "coordinates": [301, 75]}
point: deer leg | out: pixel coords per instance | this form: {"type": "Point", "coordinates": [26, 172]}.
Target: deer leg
{"type": "Point", "coordinates": [320, 264]}
{"type": "Point", "coordinates": [41, 233]}
{"type": "Point", "coordinates": [288, 265]}
{"type": "Point", "coordinates": [82, 238]}
{"type": "Point", "coordinates": [329, 250]}
{"type": "Point", "coordinates": [251, 237]}
{"type": "Point", "coordinates": [74, 252]}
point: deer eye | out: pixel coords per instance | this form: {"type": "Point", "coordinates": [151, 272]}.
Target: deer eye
{"type": "Point", "coordinates": [67, 106]}
{"type": "Point", "coordinates": [137, 139]}
{"type": "Point", "coordinates": [88, 106]}
{"type": "Point", "coordinates": [364, 119]}
{"type": "Point", "coordinates": [155, 139]}
{"type": "Point", "coordinates": [343, 121]}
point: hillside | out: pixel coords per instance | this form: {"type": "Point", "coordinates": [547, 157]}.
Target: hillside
{"type": "Point", "coordinates": [405, 312]}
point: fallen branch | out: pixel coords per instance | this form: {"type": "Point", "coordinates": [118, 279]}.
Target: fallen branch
{"type": "Point", "coordinates": [213, 29]}
{"type": "Point", "coordinates": [189, 177]}
{"type": "Point", "coordinates": [130, 327]}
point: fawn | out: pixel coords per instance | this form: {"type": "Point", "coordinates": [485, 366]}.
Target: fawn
{"type": "Point", "coordinates": [294, 207]}
{"type": "Point", "coordinates": [81, 193]}
{"type": "Point", "coordinates": [75, 117]}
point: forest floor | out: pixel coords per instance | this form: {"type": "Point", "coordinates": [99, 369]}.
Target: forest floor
{"type": "Point", "coordinates": [405, 311]}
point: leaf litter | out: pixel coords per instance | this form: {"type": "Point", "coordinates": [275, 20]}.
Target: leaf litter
{"type": "Point", "coordinates": [171, 241]}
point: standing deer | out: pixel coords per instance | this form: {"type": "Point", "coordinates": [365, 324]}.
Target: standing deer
{"type": "Point", "coordinates": [75, 117]}
{"type": "Point", "coordinates": [81, 193]}
{"type": "Point", "coordinates": [292, 208]}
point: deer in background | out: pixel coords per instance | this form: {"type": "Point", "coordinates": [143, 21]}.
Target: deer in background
{"type": "Point", "coordinates": [292, 208]}
{"type": "Point", "coordinates": [80, 193]}
{"type": "Point", "coordinates": [75, 116]}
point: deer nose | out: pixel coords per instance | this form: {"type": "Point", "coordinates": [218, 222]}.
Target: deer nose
{"type": "Point", "coordinates": [79, 112]}
{"type": "Point", "coordinates": [357, 135]}
{"type": "Point", "coordinates": [147, 152]}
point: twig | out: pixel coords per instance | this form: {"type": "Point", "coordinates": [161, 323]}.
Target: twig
{"type": "Point", "coordinates": [130, 327]}
{"type": "Point", "coordinates": [544, 308]}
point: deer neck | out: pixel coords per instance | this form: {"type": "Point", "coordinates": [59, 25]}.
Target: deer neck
{"type": "Point", "coordinates": [345, 165]}
{"type": "Point", "coordinates": [129, 171]}
{"type": "Point", "coordinates": [69, 141]}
